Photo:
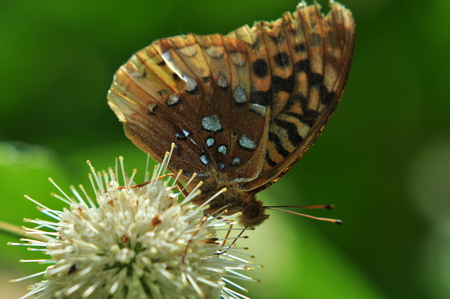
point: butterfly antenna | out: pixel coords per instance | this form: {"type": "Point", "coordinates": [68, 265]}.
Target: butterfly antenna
{"type": "Point", "coordinates": [328, 207]}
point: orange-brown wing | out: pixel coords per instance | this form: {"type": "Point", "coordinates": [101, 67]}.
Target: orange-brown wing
{"type": "Point", "coordinates": [232, 133]}
{"type": "Point", "coordinates": [149, 98]}
{"type": "Point", "coordinates": [193, 91]}
{"type": "Point", "coordinates": [247, 105]}
{"type": "Point", "coordinates": [309, 57]}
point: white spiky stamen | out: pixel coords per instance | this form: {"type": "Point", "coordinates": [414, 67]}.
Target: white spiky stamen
{"type": "Point", "coordinates": [133, 242]}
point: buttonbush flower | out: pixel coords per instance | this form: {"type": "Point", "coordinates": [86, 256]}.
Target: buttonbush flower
{"type": "Point", "coordinates": [135, 241]}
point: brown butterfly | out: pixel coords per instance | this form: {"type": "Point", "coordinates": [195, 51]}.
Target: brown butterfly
{"type": "Point", "coordinates": [243, 108]}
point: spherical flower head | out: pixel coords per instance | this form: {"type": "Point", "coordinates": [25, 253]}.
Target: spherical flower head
{"type": "Point", "coordinates": [135, 241]}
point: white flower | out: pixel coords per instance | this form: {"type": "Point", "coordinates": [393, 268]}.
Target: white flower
{"type": "Point", "coordinates": [134, 242]}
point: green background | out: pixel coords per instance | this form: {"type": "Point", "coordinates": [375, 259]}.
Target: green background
{"type": "Point", "coordinates": [383, 160]}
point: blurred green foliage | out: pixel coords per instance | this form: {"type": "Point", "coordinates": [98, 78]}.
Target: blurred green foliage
{"type": "Point", "coordinates": [383, 160]}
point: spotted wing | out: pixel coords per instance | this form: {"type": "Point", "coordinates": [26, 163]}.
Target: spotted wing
{"type": "Point", "coordinates": [193, 91]}
{"type": "Point", "coordinates": [308, 59]}
{"type": "Point", "coordinates": [247, 105]}
{"type": "Point", "coordinates": [230, 132]}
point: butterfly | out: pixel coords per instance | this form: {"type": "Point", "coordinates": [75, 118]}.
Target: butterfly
{"type": "Point", "coordinates": [241, 108]}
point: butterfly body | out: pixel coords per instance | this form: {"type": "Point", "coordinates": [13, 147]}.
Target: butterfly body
{"type": "Point", "coordinates": [242, 109]}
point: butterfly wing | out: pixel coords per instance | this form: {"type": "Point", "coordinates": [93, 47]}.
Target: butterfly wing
{"type": "Point", "coordinates": [309, 59]}
{"type": "Point", "coordinates": [193, 91]}
{"type": "Point", "coordinates": [221, 69]}
{"type": "Point", "coordinates": [155, 105]}
{"type": "Point", "coordinates": [245, 106]}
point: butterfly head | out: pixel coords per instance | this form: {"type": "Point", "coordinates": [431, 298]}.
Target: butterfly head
{"type": "Point", "coordinates": [253, 212]}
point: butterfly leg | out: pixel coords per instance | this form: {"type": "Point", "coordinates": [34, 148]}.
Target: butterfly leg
{"type": "Point", "coordinates": [232, 243]}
